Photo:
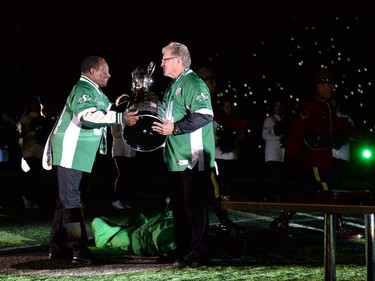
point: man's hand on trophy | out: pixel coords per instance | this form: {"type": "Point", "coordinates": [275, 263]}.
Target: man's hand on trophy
{"type": "Point", "coordinates": [131, 117]}
{"type": "Point", "coordinates": [165, 128]}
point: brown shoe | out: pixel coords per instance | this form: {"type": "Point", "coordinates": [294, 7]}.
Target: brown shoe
{"type": "Point", "coordinates": [345, 233]}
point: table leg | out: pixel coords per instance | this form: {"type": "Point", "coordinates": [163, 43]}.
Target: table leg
{"type": "Point", "coordinates": [370, 261]}
{"type": "Point", "coordinates": [330, 247]}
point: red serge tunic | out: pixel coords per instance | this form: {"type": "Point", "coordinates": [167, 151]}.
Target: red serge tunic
{"type": "Point", "coordinates": [310, 136]}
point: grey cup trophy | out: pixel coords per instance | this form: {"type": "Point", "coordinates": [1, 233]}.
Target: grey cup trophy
{"type": "Point", "coordinates": [141, 137]}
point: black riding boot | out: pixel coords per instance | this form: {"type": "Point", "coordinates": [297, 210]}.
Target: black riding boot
{"type": "Point", "coordinates": [58, 248]}
{"type": "Point", "coordinates": [77, 239]}
{"type": "Point", "coordinates": [281, 223]}
{"type": "Point", "coordinates": [343, 232]}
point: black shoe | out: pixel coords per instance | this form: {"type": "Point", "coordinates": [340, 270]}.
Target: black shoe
{"type": "Point", "coordinates": [227, 229]}
{"type": "Point", "coordinates": [189, 261]}
{"type": "Point", "coordinates": [280, 226]}
{"type": "Point", "coordinates": [227, 247]}
{"type": "Point", "coordinates": [59, 256]}
{"type": "Point", "coordinates": [86, 257]}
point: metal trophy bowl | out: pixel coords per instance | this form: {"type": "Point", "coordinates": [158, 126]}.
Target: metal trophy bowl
{"type": "Point", "coordinates": [141, 137]}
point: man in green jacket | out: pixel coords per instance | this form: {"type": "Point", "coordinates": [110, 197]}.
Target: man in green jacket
{"type": "Point", "coordinates": [189, 152]}
{"type": "Point", "coordinates": [73, 144]}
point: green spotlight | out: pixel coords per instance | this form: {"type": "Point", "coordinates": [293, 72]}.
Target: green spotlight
{"type": "Point", "coordinates": [366, 153]}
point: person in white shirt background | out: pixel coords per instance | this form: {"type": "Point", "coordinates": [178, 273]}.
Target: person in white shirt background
{"type": "Point", "coordinates": [274, 133]}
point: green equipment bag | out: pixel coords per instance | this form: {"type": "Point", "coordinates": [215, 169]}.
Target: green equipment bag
{"type": "Point", "coordinates": [141, 236]}
{"type": "Point", "coordinates": [109, 234]}
{"type": "Point", "coordinates": [155, 237]}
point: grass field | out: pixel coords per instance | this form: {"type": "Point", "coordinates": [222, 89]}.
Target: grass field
{"type": "Point", "coordinates": [268, 256]}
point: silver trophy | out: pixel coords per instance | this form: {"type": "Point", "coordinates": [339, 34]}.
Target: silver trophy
{"type": "Point", "coordinates": [142, 79]}
{"type": "Point", "coordinates": [141, 137]}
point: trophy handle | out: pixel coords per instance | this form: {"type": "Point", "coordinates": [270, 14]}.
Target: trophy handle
{"type": "Point", "coordinates": [151, 68]}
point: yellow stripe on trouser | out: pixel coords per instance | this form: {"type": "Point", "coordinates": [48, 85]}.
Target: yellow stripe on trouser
{"type": "Point", "coordinates": [318, 179]}
{"type": "Point", "coordinates": [215, 185]}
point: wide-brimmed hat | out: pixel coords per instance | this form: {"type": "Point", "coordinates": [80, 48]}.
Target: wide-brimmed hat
{"type": "Point", "coordinates": [324, 75]}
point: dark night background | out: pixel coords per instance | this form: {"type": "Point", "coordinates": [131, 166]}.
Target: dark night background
{"type": "Point", "coordinates": [257, 48]}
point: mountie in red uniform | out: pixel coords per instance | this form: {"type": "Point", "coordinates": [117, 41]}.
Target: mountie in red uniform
{"type": "Point", "coordinates": [310, 142]}
{"type": "Point", "coordinates": [311, 134]}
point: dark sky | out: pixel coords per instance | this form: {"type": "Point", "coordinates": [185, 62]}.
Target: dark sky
{"type": "Point", "coordinates": [44, 42]}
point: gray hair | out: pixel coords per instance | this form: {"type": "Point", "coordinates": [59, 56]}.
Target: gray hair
{"type": "Point", "coordinates": [179, 50]}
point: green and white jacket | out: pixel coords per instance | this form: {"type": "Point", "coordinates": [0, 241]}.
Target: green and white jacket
{"type": "Point", "coordinates": [81, 127]}
{"type": "Point", "coordinates": [185, 95]}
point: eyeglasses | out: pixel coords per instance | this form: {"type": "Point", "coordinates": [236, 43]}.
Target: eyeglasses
{"type": "Point", "coordinates": [166, 59]}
